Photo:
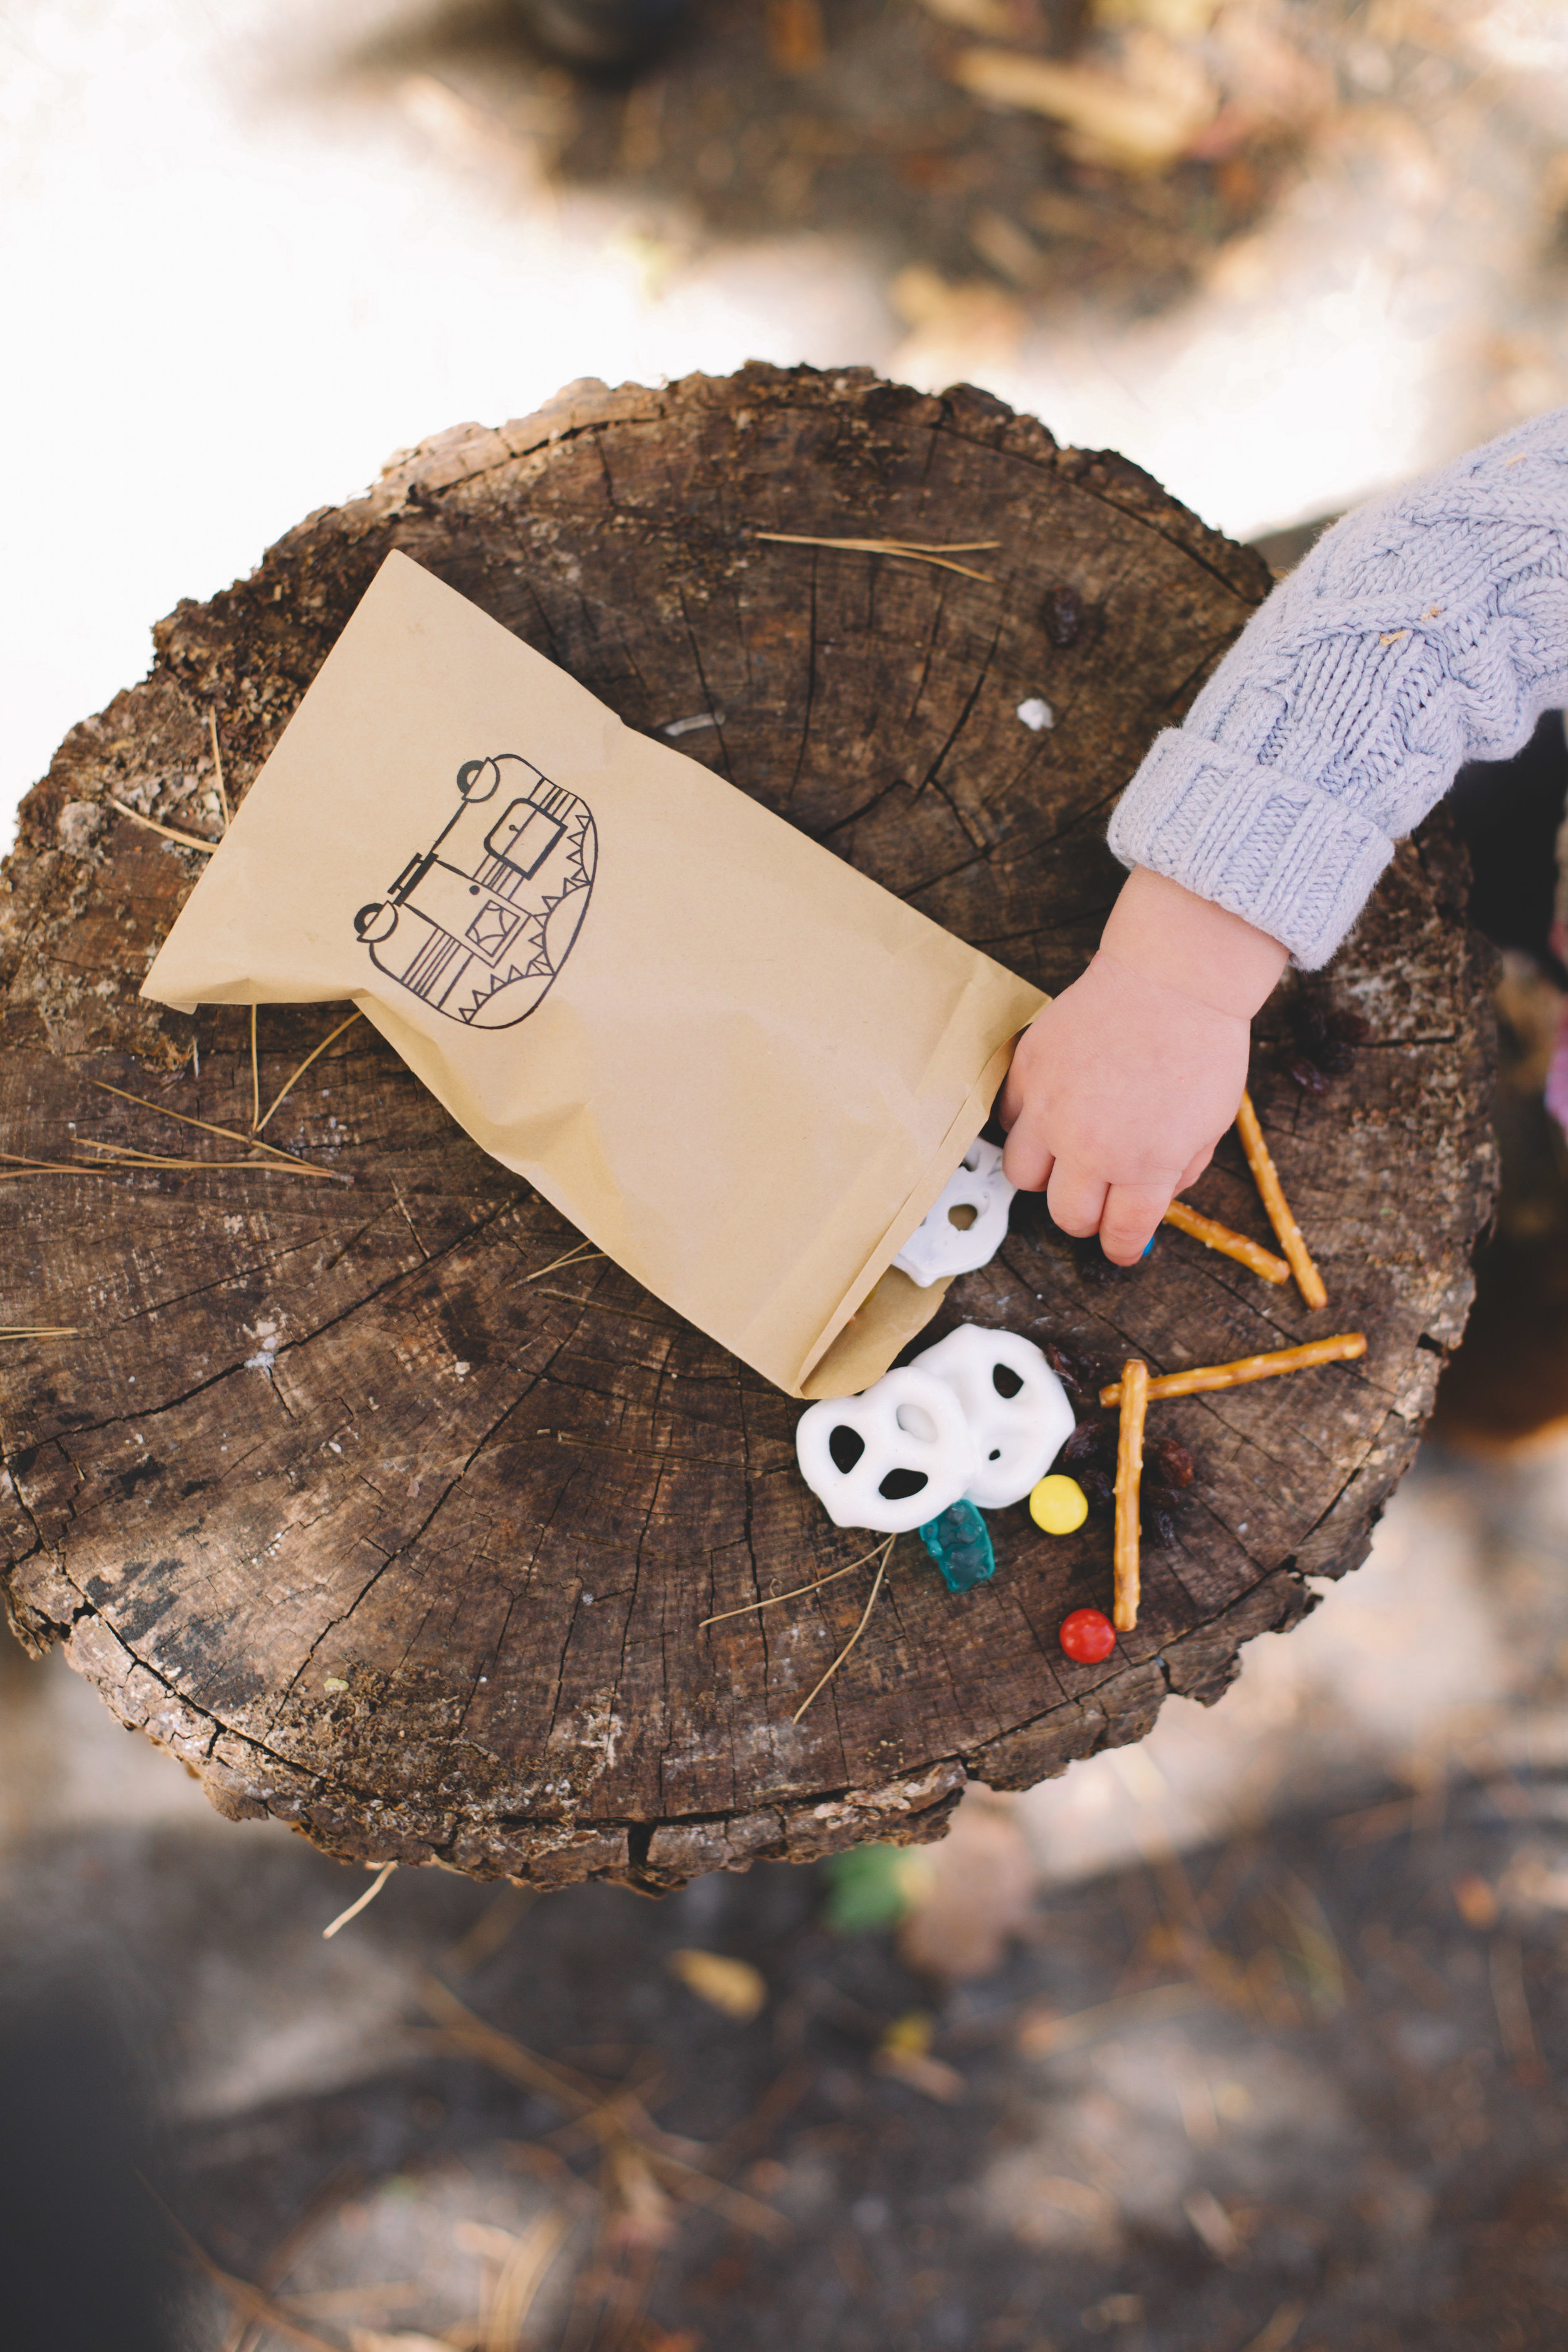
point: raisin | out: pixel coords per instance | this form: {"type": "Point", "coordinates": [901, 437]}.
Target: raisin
{"type": "Point", "coordinates": [1309, 1024]}
{"type": "Point", "coordinates": [1159, 1529]}
{"type": "Point", "coordinates": [1308, 1076]}
{"type": "Point", "coordinates": [1100, 1490]}
{"type": "Point", "coordinates": [1174, 1462]}
{"type": "Point", "coordinates": [1074, 1371]}
{"type": "Point", "coordinates": [1091, 1441]}
{"type": "Point", "coordinates": [1062, 615]}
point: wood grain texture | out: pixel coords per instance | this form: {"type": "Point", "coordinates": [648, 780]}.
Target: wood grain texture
{"type": "Point", "coordinates": [391, 1540]}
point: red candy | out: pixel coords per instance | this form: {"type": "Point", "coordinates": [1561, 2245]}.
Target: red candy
{"type": "Point", "coordinates": [1087, 1636]}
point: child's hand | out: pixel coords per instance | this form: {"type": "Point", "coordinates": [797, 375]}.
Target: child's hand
{"type": "Point", "coordinates": [1122, 1086]}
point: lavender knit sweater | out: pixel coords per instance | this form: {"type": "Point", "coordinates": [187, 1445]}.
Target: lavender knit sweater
{"type": "Point", "coordinates": [1427, 629]}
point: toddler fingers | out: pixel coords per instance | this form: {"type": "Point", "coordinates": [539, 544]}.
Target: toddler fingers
{"type": "Point", "coordinates": [1076, 1200]}
{"type": "Point", "coordinates": [1194, 1169]}
{"type": "Point", "coordinates": [1128, 1220]}
{"type": "Point", "coordinates": [1026, 1162]}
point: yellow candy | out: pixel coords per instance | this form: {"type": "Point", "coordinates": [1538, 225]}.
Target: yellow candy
{"type": "Point", "coordinates": [1058, 1504]}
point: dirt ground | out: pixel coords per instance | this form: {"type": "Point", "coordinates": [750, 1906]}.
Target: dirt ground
{"type": "Point", "coordinates": [1302, 2087]}
{"type": "Point", "coordinates": [1251, 2039]}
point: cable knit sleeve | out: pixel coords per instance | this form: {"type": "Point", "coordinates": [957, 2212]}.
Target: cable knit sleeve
{"type": "Point", "coordinates": [1428, 629]}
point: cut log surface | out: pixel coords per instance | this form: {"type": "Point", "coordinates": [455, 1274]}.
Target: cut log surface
{"type": "Point", "coordinates": [397, 1521]}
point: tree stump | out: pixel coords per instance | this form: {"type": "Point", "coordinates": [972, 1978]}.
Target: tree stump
{"type": "Point", "coordinates": [396, 1527]}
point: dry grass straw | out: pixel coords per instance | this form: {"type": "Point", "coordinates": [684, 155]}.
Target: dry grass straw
{"type": "Point", "coordinates": [612, 2116]}
{"type": "Point", "coordinates": [1215, 1236]}
{"type": "Point", "coordinates": [865, 1620]}
{"type": "Point", "coordinates": [1204, 1378]}
{"type": "Point", "coordinates": [362, 1904]}
{"type": "Point", "coordinates": [748, 1607]}
{"type": "Point", "coordinates": [1309, 1281]}
{"type": "Point", "coordinates": [255, 1075]}
{"type": "Point", "coordinates": [1134, 1400]}
{"type": "Point", "coordinates": [39, 1331]}
{"type": "Point", "coordinates": [916, 551]}
{"type": "Point", "coordinates": [304, 1065]}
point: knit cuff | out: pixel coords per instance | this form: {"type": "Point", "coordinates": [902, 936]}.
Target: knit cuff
{"type": "Point", "coordinates": [1285, 856]}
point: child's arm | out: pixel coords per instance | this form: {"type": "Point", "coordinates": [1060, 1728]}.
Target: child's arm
{"type": "Point", "coordinates": [1426, 630]}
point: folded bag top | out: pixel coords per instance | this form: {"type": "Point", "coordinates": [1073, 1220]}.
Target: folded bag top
{"type": "Point", "coordinates": [741, 1068]}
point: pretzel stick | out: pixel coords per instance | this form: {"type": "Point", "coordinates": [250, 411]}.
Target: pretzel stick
{"type": "Point", "coordinates": [1132, 1395]}
{"type": "Point", "coordinates": [1337, 1350]}
{"type": "Point", "coordinates": [1220, 1237]}
{"type": "Point", "coordinates": [1309, 1281]}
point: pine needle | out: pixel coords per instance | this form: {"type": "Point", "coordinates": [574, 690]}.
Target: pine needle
{"type": "Point", "coordinates": [365, 1900]}
{"type": "Point", "coordinates": [249, 2299]}
{"type": "Point", "coordinates": [125, 1157]}
{"type": "Point", "coordinates": [305, 1065]}
{"type": "Point", "coordinates": [579, 1254]}
{"type": "Point", "coordinates": [855, 1636]}
{"type": "Point", "coordinates": [39, 1331]}
{"type": "Point", "coordinates": [169, 832]}
{"type": "Point", "coordinates": [517, 2280]}
{"type": "Point", "coordinates": [218, 764]}
{"type": "Point", "coordinates": [229, 1134]}
{"type": "Point", "coordinates": [795, 1595]}
{"type": "Point", "coordinates": [916, 554]}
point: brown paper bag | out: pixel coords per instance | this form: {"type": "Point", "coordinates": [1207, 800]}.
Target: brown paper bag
{"type": "Point", "coordinates": [739, 1066]}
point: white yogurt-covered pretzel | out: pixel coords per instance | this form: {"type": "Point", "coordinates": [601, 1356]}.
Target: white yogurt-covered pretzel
{"type": "Point", "coordinates": [1015, 1409]}
{"type": "Point", "coordinates": [938, 1246]}
{"type": "Point", "coordinates": [907, 1431]}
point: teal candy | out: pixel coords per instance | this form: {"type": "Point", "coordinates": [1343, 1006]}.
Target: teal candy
{"type": "Point", "coordinates": [960, 1542]}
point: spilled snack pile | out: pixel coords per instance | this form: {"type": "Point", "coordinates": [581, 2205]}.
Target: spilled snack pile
{"type": "Point", "coordinates": [976, 1422]}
